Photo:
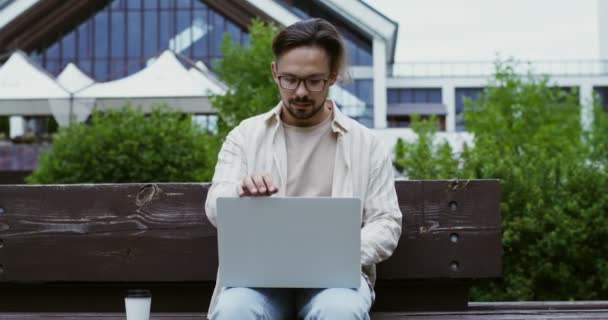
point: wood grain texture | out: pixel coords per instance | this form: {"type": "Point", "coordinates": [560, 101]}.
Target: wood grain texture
{"type": "Point", "coordinates": [516, 311]}
{"type": "Point", "coordinates": [159, 232]}
{"type": "Point", "coordinates": [98, 233]}
{"type": "Point", "coordinates": [447, 223]}
{"type": "Point", "coordinates": [78, 247]}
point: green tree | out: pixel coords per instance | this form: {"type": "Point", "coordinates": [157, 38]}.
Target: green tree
{"type": "Point", "coordinates": [412, 159]}
{"type": "Point", "coordinates": [246, 71]}
{"type": "Point", "coordinates": [555, 208]}
{"type": "Point", "coordinates": [127, 145]}
{"type": "Point", "coordinates": [554, 177]}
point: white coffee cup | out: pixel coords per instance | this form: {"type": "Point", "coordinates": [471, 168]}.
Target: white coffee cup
{"type": "Point", "coordinates": [137, 304]}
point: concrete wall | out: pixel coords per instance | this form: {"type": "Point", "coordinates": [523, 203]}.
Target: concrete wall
{"type": "Point", "coordinates": [603, 28]}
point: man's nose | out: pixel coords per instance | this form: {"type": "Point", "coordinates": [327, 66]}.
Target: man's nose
{"type": "Point", "coordinates": [301, 89]}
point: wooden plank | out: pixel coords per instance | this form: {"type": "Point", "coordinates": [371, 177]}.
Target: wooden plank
{"type": "Point", "coordinates": [451, 230]}
{"type": "Point", "coordinates": [514, 315]}
{"type": "Point", "coordinates": [102, 297]}
{"type": "Point", "coordinates": [115, 232]}
{"type": "Point", "coordinates": [61, 244]}
{"type": "Point", "coordinates": [93, 316]}
{"type": "Point", "coordinates": [13, 177]}
{"type": "Point", "coordinates": [396, 295]}
{"type": "Point", "coordinates": [127, 232]}
{"type": "Point", "coordinates": [539, 305]}
{"type": "Point", "coordinates": [421, 295]}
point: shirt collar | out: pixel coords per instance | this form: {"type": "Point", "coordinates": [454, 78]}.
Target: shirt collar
{"type": "Point", "coordinates": [339, 124]}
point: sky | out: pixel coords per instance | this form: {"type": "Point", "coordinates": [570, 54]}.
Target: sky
{"type": "Point", "coordinates": [478, 30]}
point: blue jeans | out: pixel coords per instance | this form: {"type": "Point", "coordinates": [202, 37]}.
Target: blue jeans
{"type": "Point", "coordinates": [307, 304]}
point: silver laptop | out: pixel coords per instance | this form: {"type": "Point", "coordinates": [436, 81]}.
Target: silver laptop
{"type": "Point", "coordinates": [289, 242]}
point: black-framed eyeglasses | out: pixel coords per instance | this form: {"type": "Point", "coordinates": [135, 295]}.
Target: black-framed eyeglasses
{"type": "Point", "coordinates": [311, 84]}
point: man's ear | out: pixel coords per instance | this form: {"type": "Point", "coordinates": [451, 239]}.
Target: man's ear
{"type": "Point", "coordinates": [273, 67]}
{"type": "Point", "coordinates": [333, 77]}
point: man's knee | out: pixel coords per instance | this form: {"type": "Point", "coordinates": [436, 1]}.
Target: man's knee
{"type": "Point", "coordinates": [338, 304]}
{"type": "Point", "coordinates": [238, 303]}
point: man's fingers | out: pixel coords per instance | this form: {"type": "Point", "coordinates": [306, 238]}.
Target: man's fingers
{"type": "Point", "coordinates": [259, 183]}
{"type": "Point", "coordinates": [249, 187]}
{"type": "Point", "coordinates": [269, 184]}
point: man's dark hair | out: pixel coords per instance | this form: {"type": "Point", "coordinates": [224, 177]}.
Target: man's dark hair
{"type": "Point", "coordinates": [315, 33]}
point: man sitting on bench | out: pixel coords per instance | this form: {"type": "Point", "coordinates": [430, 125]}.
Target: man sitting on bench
{"type": "Point", "coordinates": [306, 147]}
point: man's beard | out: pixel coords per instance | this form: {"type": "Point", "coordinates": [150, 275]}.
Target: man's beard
{"type": "Point", "coordinates": [303, 114]}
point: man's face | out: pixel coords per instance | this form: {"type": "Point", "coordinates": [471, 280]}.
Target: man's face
{"type": "Point", "coordinates": [303, 77]}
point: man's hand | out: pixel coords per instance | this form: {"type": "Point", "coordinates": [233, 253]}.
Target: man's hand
{"type": "Point", "coordinates": [257, 185]}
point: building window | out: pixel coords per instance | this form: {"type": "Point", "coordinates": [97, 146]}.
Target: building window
{"type": "Point", "coordinates": [356, 100]}
{"type": "Point", "coordinates": [358, 47]}
{"type": "Point", "coordinates": [413, 95]}
{"type": "Point", "coordinates": [121, 38]}
{"type": "Point", "coordinates": [206, 122]}
{"type": "Point", "coordinates": [402, 103]}
{"type": "Point", "coordinates": [602, 92]}
{"type": "Point", "coordinates": [461, 94]}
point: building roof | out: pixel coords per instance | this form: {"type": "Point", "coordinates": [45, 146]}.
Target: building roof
{"type": "Point", "coordinates": [30, 24]}
{"type": "Point", "coordinates": [9, 9]}
{"type": "Point", "coordinates": [369, 21]}
{"type": "Point", "coordinates": [356, 13]}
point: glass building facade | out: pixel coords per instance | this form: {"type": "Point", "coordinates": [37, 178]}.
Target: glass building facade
{"type": "Point", "coordinates": [126, 35]}
{"type": "Point", "coordinates": [413, 95]}
{"type": "Point", "coordinates": [120, 39]}
{"type": "Point", "coordinates": [356, 99]}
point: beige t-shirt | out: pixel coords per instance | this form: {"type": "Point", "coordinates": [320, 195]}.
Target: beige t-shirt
{"type": "Point", "coordinates": [311, 153]}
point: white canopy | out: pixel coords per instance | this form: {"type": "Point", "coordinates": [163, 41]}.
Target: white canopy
{"type": "Point", "coordinates": [22, 79]}
{"type": "Point", "coordinates": [73, 79]}
{"type": "Point", "coordinates": [165, 80]}
{"type": "Point", "coordinates": [203, 76]}
{"type": "Point", "coordinates": [27, 89]}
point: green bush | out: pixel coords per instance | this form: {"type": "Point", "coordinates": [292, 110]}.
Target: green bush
{"type": "Point", "coordinates": [554, 178]}
{"type": "Point", "coordinates": [127, 145]}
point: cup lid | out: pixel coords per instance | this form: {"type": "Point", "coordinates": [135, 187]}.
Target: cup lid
{"type": "Point", "coordinates": [138, 293]}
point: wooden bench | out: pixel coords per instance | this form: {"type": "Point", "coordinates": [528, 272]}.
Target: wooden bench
{"type": "Point", "coordinates": [76, 248]}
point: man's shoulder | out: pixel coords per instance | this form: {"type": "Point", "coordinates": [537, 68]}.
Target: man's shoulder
{"type": "Point", "coordinates": [359, 131]}
{"type": "Point", "coordinates": [254, 123]}
{"type": "Point", "coordinates": [255, 120]}
{"type": "Point", "coordinates": [366, 139]}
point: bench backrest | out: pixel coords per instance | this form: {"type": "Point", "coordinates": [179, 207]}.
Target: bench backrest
{"type": "Point", "coordinates": [59, 241]}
